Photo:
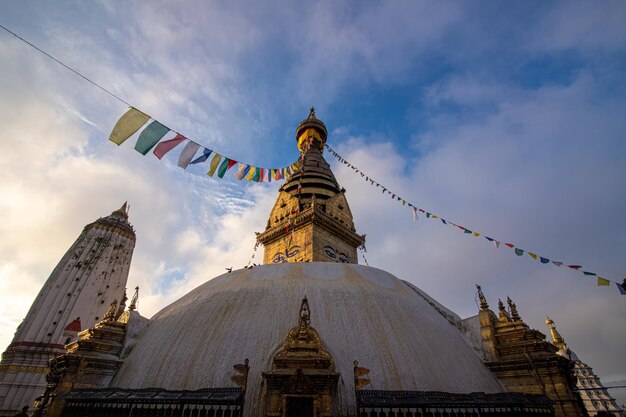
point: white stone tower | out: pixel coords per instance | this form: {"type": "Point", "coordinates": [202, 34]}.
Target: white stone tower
{"type": "Point", "coordinates": [91, 274]}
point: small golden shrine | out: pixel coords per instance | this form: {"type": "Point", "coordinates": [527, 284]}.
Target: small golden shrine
{"type": "Point", "coordinates": [302, 379]}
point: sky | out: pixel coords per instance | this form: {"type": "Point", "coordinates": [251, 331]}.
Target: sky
{"type": "Point", "coordinates": [504, 117]}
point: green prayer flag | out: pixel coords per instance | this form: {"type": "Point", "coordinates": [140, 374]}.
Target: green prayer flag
{"type": "Point", "coordinates": [589, 273]}
{"type": "Point", "coordinates": [519, 252]}
{"type": "Point", "coordinates": [467, 231]}
{"type": "Point", "coordinates": [256, 175]}
{"type": "Point", "coordinates": [223, 168]}
{"type": "Point", "coordinates": [150, 136]}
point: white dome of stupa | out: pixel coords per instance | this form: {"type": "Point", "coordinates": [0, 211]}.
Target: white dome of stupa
{"type": "Point", "coordinates": [361, 313]}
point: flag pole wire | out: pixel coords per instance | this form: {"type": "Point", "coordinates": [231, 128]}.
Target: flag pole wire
{"type": "Point", "coordinates": [58, 61]}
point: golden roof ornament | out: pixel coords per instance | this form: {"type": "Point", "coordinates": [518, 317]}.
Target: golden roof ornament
{"type": "Point", "coordinates": [133, 302]}
{"type": "Point", "coordinates": [557, 339]}
{"type": "Point", "coordinates": [311, 131]}
{"type": "Point", "coordinates": [504, 315]}
{"type": "Point", "coordinates": [514, 314]}
{"type": "Point", "coordinates": [111, 312]}
{"type": "Point", "coordinates": [481, 297]}
{"type": "Point", "coordinates": [122, 211]}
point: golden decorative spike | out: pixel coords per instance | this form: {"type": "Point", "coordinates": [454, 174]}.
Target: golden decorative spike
{"type": "Point", "coordinates": [557, 339]}
{"type": "Point", "coordinates": [504, 315]}
{"type": "Point", "coordinates": [305, 313]}
{"type": "Point", "coordinates": [111, 312]}
{"type": "Point", "coordinates": [481, 297]}
{"type": "Point", "coordinates": [133, 302]}
{"type": "Point", "coordinates": [513, 308]}
{"type": "Point", "coordinates": [122, 306]}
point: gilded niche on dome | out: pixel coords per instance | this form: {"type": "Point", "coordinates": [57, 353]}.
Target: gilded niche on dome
{"type": "Point", "coordinates": [302, 380]}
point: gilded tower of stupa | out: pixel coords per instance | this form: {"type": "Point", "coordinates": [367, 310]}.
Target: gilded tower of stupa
{"type": "Point", "coordinates": [78, 293]}
{"type": "Point", "coordinates": [311, 220]}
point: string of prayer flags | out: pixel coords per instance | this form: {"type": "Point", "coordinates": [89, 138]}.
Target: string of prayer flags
{"type": "Point", "coordinates": [152, 137]}
{"type": "Point", "coordinates": [128, 125]}
{"type": "Point", "coordinates": [518, 251]}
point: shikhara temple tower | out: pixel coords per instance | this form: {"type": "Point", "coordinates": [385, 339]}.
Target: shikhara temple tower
{"type": "Point", "coordinates": [78, 293]}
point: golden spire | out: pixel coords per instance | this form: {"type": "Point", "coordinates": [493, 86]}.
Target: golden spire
{"type": "Point", "coordinates": [514, 314]}
{"type": "Point", "coordinates": [133, 302]}
{"type": "Point", "coordinates": [111, 312]}
{"type": "Point", "coordinates": [557, 339]}
{"type": "Point", "coordinates": [122, 211]}
{"type": "Point", "coordinates": [504, 315]}
{"type": "Point", "coordinates": [311, 131]}
{"type": "Point", "coordinates": [481, 297]}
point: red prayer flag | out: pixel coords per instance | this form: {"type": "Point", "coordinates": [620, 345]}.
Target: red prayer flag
{"type": "Point", "coordinates": [167, 145]}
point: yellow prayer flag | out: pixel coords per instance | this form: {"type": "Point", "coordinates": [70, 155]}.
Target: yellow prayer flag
{"type": "Point", "coordinates": [127, 125]}
{"type": "Point", "coordinates": [603, 282]}
{"type": "Point", "coordinates": [214, 163]}
{"type": "Point", "coordinates": [436, 217]}
{"type": "Point", "coordinates": [474, 233]}
{"type": "Point", "coordinates": [250, 174]}
{"type": "Point", "coordinates": [532, 255]}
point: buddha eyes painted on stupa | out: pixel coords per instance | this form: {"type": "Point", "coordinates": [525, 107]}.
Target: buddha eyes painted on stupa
{"type": "Point", "coordinates": [332, 253]}
{"type": "Point", "coordinates": [283, 256]}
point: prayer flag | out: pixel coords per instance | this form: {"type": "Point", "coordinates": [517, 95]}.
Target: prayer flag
{"type": "Point", "coordinates": [519, 252]}
{"type": "Point", "coordinates": [488, 238]}
{"type": "Point", "coordinates": [603, 282]}
{"type": "Point", "coordinates": [427, 215]}
{"type": "Point", "coordinates": [267, 176]}
{"type": "Point", "coordinates": [621, 288]}
{"type": "Point", "coordinates": [576, 267]}
{"type": "Point", "coordinates": [205, 155]}
{"type": "Point", "coordinates": [467, 231]}
{"type": "Point", "coordinates": [225, 166]}
{"type": "Point", "coordinates": [167, 145]}
{"type": "Point", "coordinates": [261, 174]}
{"type": "Point", "coordinates": [589, 273]}
{"type": "Point", "coordinates": [188, 152]}
{"type": "Point", "coordinates": [414, 214]}
{"type": "Point", "coordinates": [278, 175]}
{"type": "Point", "coordinates": [496, 243]}
{"type": "Point", "coordinates": [239, 174]}
{"type": "Point", "coordinates": [150, 136]}
{"type": "Point", "coordinates": [214, 164]}
{"type": "Point", "coordinates": [557, 263]}
{"type": "Point", "coordinates": [127, 125]}
{"type": "Point", "coordinates": [206, 152]}
{"type": "Point", "coordinates": [250, 173]}
{"type": "Point", "coordinates": [510, 245]}
{"type": "Point", "coordinates": [532, 255]}
{"type": "Point", "coordinates": [443, 221]}
{"type": "Point", "coordinates": [476, 234]}
{"type": "Point", "coordinates": [256, 175]}
{"type": "Point", "coordinates": [435, 217]}
{"type": "Point", "coordinates": [544, 260]}
{"type": "Point", "coordinates": [404, 202]}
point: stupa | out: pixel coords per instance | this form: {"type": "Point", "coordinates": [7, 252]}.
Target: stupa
{"type": "Point", "coordinates": [308, 333]}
